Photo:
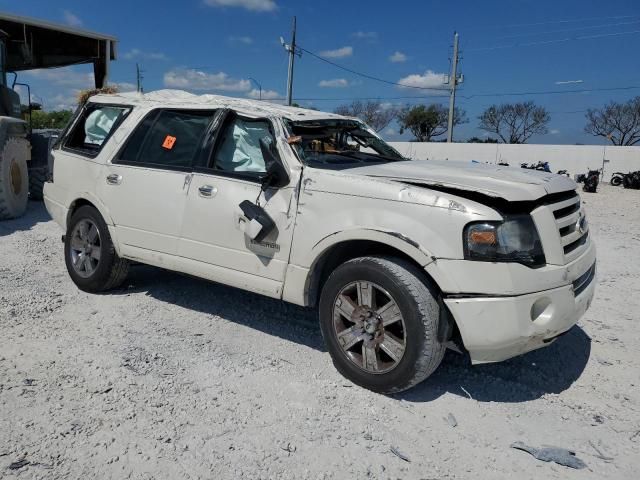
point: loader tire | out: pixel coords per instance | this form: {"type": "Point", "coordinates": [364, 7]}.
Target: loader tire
{"type": "Point", "coordinates": [37, 179]}
{"type": "Point", "coordinates": [14, 178]}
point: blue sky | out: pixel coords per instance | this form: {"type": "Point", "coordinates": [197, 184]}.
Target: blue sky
{"type": "Point", "coordinates": [508, 46]}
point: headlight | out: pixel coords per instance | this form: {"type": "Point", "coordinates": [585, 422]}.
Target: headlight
{"type": "Point", "coordinates": [515, 239]}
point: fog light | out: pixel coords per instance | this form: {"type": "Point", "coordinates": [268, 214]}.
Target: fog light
{"type": "Point", "coordinates": [541, 310]}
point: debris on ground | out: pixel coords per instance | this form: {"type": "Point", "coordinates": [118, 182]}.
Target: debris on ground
{"type": "Point", "coordinates": [17, 465]}
{"type": "Point", "coordinates": [451, 420]}
{"type": "Point", "coordinates": [600, 455]}
{"type": "Point", "coordinates": [558, 455]}
{"type": "Point", "coordinates": [399, 454]}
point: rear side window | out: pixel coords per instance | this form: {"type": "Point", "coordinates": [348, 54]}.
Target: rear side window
{"type": "Point", "coordinates": [93, 128]}
{"type": "Point", "coordinates": [167, 138]}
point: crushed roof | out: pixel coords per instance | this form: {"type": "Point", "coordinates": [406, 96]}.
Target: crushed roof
{"type": "Point", "coordinates": [182, 99]}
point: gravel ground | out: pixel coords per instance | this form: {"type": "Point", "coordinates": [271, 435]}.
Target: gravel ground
{"type": "Point", "coordinates": [173, 377]}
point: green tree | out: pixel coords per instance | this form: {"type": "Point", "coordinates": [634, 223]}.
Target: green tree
{"type": "Point", "coordinates": [426, 122]}
{"type": "Point", "coordinates": [54, 119]}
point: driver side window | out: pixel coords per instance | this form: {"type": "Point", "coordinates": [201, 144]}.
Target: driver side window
{"type": "Point", "coordinates": [239, 149]}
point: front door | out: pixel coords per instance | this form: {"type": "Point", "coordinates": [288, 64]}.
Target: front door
{"type": "Point", "coordinates": [213, 223]}
{"type": "Point", "coordinates": [147, 185]}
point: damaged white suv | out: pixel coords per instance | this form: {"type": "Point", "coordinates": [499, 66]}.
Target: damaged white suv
{"type": "Point", "coordinates": [402, 258]}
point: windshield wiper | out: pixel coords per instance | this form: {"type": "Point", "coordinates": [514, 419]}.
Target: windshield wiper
{"type": "Point", "coordinates": [373, 156]}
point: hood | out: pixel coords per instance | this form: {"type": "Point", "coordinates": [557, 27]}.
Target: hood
{"type": "Point", "coordinates": [509, 183]}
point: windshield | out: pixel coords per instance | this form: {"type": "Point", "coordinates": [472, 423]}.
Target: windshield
{"type": "Point", "coordinates": [339, 144]}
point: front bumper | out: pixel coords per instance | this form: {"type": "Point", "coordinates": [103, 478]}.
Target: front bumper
{"type": "Point", "coordinates": [495, 328]}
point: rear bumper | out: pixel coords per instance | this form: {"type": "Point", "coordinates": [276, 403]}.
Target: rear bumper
{"type": "Point", "coordinates": [495, 328]}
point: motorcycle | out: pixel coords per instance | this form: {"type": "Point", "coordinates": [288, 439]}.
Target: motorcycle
{"type": "Point", "coordinates": [591, 181]}
{"type": "Point", "coordinates": [631, 180]}
{"type": "Point", "coordinates": [541, 166]}
{"type": "Point", "coordinates": [617, 178]}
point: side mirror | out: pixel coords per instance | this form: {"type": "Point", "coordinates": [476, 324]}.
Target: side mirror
{"type": "Point", "coordinates": [276, 175]}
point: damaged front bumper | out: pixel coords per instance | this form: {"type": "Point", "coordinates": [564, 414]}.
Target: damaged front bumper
{"type": "Point", "coordinates": [495, 328]}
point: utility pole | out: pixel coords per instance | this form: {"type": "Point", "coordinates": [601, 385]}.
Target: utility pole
{"type": "Point", "coordinates": [139, 78]}
{"type": "Point", "coordinates": [453, 82]}
{"type": "Point", "coordinates": [259, 86]}
{"type": "Point", "coordinates": [291, 48]}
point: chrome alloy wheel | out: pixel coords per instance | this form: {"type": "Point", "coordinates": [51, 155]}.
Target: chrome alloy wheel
{"type": "Point", "coordinates": [85, 248]}
{"type": "Point", "coordinates": [369, 327]}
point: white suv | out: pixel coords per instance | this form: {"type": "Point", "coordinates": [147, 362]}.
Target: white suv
{"type": "Point", "coordinates": [402, 258]}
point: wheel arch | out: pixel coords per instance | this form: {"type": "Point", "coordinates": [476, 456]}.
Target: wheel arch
{"type": "Point", "coordinates": [344, 246]}
{"type": "Point", "coordinates": [87, 199]}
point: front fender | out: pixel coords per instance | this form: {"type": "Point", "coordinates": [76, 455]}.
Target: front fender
{"type": "Point", "coordinates": [397, 240]}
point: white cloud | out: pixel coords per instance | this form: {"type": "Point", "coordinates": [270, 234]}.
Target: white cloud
{"type": "Point", "coordinates": [242, 39]}
{"type": "Point", "coordinates": [64, 77]}
{"type": "Point", "coordinates": [266, 94]}
{"type": "Point", "coordinates": [398, 57]}
{"type": "Point", "coordinates": [555, 131]}
{"type": "Point", "coordinates": [192, 79]}
{"type": "Point", "coordinates": [61, 101]}
{"type": "Point", "coordinates": [252, 5]}
{"type": "Point", "coordinates": [334, 83]}
{"type": "Point", "coordinates": [568, 82]}
{"type": "Point", "coordinates": [136, 53]}
{"type": "Point", "coordinates": [390, 132]}
{"type": "Point", "coordinates": [126, 86]}
{"type": "Point", "coordinates": [429, 79]}
{"type": "Point", "coordinates": [365, 35]}
{"type": "Point", "coordinates": [71, 19]}
{"type": "Point", "coordinates": [337, 53]}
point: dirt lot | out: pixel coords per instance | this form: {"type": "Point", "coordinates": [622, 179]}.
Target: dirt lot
{"type": "Point", "coordinates": [172, 377]}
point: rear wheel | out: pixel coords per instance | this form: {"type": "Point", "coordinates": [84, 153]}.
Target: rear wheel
{"type": "Point", "coordinates": [379, 319]}
{"type": "Point", "coordinates": [14, 182]}
{"type": "Point", "coordinates": [90, 256]}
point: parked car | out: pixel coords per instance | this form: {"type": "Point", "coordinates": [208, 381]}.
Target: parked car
{"type": "Point", "coordinates": [402, 258]}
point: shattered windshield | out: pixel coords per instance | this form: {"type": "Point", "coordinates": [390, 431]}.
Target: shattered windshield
{"type": "Point", "coordinates": [338, 144]}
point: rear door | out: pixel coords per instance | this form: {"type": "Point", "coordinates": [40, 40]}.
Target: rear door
{"type": "Point", "coordinates": [212, 231]}
{"type": "Point", "coordinates": [145, 187]}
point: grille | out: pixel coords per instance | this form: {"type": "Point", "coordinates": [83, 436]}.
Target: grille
{"type": "Point", "coordinates": [571, 225]}
{"type": "Point", "coordinates": [584, 280]}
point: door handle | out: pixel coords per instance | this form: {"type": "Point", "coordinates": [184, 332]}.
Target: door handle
{"type": "Point", "coordinates": [114, 179]}
{"type": "Point", "coordinates": [207, 191]}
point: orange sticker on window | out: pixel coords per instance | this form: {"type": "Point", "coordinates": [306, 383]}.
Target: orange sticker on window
{"type": "Point", "coordinates": [169, 141]}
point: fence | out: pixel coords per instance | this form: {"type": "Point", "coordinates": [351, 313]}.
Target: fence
{"type": "Point", "coordinates": [573, 158]}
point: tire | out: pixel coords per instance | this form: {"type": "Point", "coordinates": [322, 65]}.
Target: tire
{"type": "Point", "coordinates": [14, 178]}
{"type": "Point", "coordinates": [89, 273]}
{"type": "Point", "coordinates": [37, 179]}
{"type": "Point", "coordinates": [416, 300]}
{"type": "Point", "coordinates": [616, 181]}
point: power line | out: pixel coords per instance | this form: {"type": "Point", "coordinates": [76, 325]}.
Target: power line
{"type": "Point", "coordinates": [476, 95]}
{"type": "Point", "coordinates": [370, 77]}
{"type": "Point", "coordinates": [548, 42]}
{"type": "Point", "coordinates": [551, 32]}
{"type": "Point", "coordinates": [551, 92]}
{"type": "Point", "coordinates": [552, 22]}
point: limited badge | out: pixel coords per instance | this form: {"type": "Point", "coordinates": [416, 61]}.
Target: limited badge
{"type": "Point", "coordinates": [169, 142]}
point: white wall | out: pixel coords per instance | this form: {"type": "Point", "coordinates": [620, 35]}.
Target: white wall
{"type": "Point", "coordinates": [574, 158]}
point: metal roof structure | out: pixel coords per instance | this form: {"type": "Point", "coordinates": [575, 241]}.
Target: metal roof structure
{"type": "Point", "coordinates": [32, 44]}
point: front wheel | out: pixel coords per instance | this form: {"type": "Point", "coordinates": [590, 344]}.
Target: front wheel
{"type": "Point", "coordinates": [89, 254]}
{"type": "Point", "coordinates": [379, 319]}
{"type": "Point", "coordinates": [616, 181]}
